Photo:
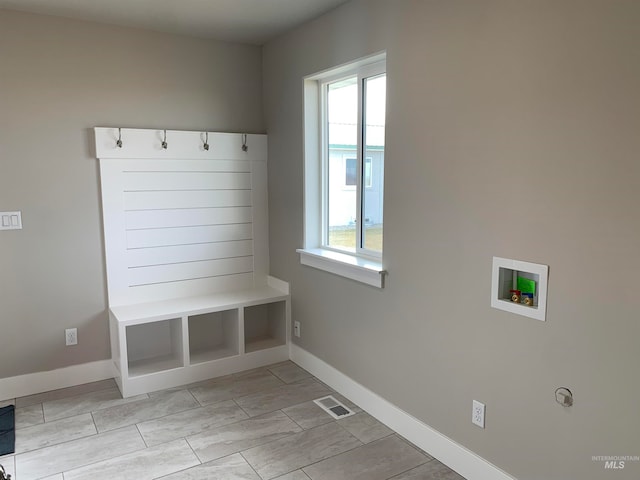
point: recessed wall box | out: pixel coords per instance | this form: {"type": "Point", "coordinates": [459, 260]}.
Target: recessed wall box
{"type": "Point", "coordinates": [508, 275]}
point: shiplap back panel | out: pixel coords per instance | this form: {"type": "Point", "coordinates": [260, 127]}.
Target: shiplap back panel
{"type": "Point", "coordinates": [182, 221]}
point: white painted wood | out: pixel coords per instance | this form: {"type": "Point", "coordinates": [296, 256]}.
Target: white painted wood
{"type": "Point", "coordinates": [278, 284]}
{"type": "Point", "coordinates": [186, 236]}
{"type": "Point", "coordinates": [32, 383]}
{"type": "Point", "coordinates": [141, 219]}
{"type": "Point", "coordinates": [263, 326]}
{"type": "Point", "coordinates": [188, 253]}
{"type": "Point", "coordinates": [539, 311]}
{"type": "Point", "coordinates": [147, 144]}
{"type": "Point", "coordinates": [179, 180]}
{"type": "Point", "coordinates": [169, 358]}
{"type": "Point", "coordinates": [467, 463]}
{"type": "Point", "coordinates": [156, 274]}
{"type": "Point", "coordinates": [158, 201]}
{"type": "Point", "coordinates": [187, 288]}
{"type": "Point", "coordinates": [177, 307]}
{"type": "Point", "coordinates": [350, 266]}
{"type": "Point", "coordinates": [260, 222]}
{"type": "Point", "coordinates": [186, 165]}
{"type": "Point", "coordinates": [187, 199]}
{"type": "Point", "coordinates": [204, 371]}
{"type": "Point", "coordinates": [115, 236]}
{"type": "Point", "coordinates": [213, 336]}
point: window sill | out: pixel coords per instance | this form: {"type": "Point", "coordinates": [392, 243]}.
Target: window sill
{"type": "Point", "coordinates": [356, 268]}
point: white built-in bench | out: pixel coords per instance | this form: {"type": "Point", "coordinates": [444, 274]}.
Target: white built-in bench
{"type": "Point", "coordinates": [186, 243]}
{"type": "Point", "coordinates": [174, 342]}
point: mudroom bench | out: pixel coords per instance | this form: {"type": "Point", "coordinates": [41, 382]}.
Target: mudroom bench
{"type": "Point", "coordinates": [185, 218]}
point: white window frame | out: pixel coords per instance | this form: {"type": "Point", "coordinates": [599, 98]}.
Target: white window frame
{"type": "Point", "coordinates": [362, 265]}
{"type": "Point", "coordinates": [368, 181]}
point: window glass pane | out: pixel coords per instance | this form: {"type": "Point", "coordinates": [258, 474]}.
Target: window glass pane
{"type": "Point", "coordinates": [351, 171]}
{"type": "Point", "coordinates": [342, 116]}
{"type": "Point", "coordinates": [372, 195]}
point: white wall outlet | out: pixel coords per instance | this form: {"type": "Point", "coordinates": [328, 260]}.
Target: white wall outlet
{"type": "Point", "coordinates": [477, 414]}
{"type": "Point", "coordinates": [71, 336]}
{"type": "Point", "coordinates": [10, 220]}
{"type": "Point", "coordinates": [296, 329]}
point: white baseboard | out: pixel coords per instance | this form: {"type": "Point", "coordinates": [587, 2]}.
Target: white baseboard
{"type": "Point", "coordinates": [32, 383]}
{"type": "Point", "coordinates": [455, 456]}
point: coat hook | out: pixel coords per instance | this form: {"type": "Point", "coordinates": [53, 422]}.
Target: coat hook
{"type": "Point", "coordinates": [119, 141]}
{"type": "Point", "coordinates": [206, 141]}
{"type": "Point", "coordinates": [244, 142]}
{"type": "Point", "coordinates": [164, 141]}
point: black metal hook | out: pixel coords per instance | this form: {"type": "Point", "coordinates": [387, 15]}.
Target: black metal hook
{"type": "Point", "coordinates": [119, 141]}
{"type": "Point", "coordinates": [244, 142]}
{"type": "Point", "coordinates": [206, 141]}
{"type": "Point", "coordinates": [164, 141]}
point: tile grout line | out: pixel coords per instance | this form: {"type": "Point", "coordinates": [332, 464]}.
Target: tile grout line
{"type": "Point", "coordinates": [61, 398]}
{"type": "Point", "coordinates": [243, 410]}
{"type": "Point", "coordinates": [198, 405]}
{"type": "Point", "coordinates": [186, 439]}
{"type": "Point", "coordinates": [154, 418]}
{"type": "Point", "coordinates": [289, 417]}
{"type": "Point", "coordinates": [27, 426]}
{"type": "Point", "coordinates": [250, 466]}
{"type": "Point", "coordinates": [142, 437]}
{"type": "Point", "coordinates": [97, 461]}
{"type": "Point", "coordinates": [409, 469]}
{"type": "Point", "coordinates": [146, 397]}
{"type": "Point", "coordinates": [309, 430]}
{"type": "Point", "coordinates": [75, 440]}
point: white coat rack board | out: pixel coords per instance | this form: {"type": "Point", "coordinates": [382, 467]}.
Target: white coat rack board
{"type": "Point", "coordinates": [182, 220]}
{"type": "Point", "coordinates": [185, 222]}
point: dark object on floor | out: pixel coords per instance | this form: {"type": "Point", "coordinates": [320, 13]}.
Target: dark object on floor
{"type": "Point", "coordinates": [7, 430]}
{"type": "Point", "coordinates": [3, 474]}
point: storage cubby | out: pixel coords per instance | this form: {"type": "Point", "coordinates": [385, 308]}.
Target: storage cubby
{"type": "Point", "coordinates": [213, 335]}
{"type": "Point", "coordinates": [265, 326]}
{"type": "Point", "coordinates": [159, 345]}
{"type": "Point", "coordinates": [519, 287]}
{"type": "Point", "coordinates": [154, 347]}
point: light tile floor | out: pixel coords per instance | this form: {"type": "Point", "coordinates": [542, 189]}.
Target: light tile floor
{"type": "Point", "coordinates": [256, 425]}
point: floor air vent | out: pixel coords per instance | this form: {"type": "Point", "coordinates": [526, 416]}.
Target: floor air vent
{"type": "Point", "coordinates": [333, 407]}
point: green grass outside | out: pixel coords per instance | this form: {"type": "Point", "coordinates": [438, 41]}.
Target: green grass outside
{"type": "Point", "coordinates": [346, 237]}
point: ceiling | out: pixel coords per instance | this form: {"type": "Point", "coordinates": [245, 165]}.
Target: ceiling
{"type": "Point", "coordinates": [244, 21]}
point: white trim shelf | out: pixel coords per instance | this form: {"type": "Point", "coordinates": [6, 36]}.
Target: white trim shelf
{"type": "Point", "coordinates": [356, 268]}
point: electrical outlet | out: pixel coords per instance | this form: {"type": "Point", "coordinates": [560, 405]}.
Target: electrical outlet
{"type": "Point", "coordinates": [296, 329]}
{"type": "Point", "coordinates": [71, 336]}
{"type": "Point", "coordinates": [477, 414]}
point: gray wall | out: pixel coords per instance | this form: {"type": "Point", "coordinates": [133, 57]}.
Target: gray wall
{"type": "Point", "coordinates": [512, 130]}
{"type": "Point", "coordinates": [58, 79]}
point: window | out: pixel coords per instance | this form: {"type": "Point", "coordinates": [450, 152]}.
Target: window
{"type": "Point", "coordinates": [354, 123]}
{"type": "Point", "coordinates": [351, 172]}
{"type": "Point", "coordinates": [345, 112]}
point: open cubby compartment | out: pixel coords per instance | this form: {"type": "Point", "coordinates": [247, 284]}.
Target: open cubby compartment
{"type": "Point", "coordinates": [154, 347]}
{"type": "Point", "coordinates": [265, 326]}
{"type": "Point", "coordinates": [505, 278]}
{"type": "Point", "coordinates": [213, 336]}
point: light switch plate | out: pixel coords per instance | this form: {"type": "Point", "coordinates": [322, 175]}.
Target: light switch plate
{"type": "Point", "coordinates": [10, 220]}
